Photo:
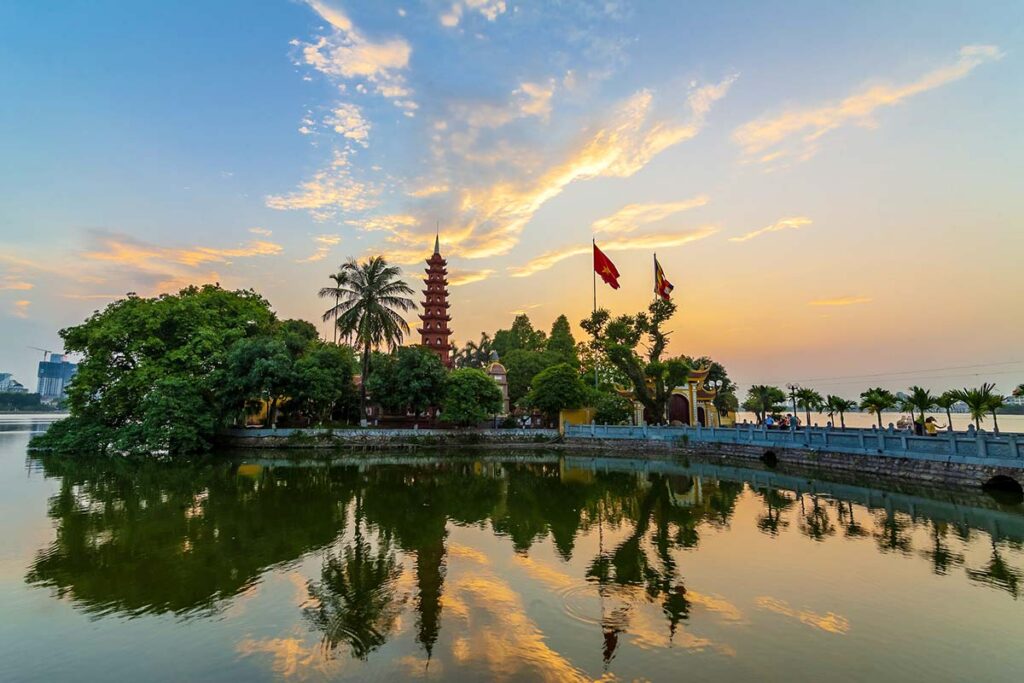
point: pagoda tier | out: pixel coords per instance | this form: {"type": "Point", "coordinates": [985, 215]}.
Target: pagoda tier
{"type": "Point", "coordinates": [434, 332]}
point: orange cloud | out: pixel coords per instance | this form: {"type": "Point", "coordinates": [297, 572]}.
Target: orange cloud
{"type": "Point", "coordinates": [331, 190]}
{"type": "Point", "coordinates": [632, 216]}
{"type": "Point", "coordinates": [20, 309]}
{"type": "Point", "coordinates": [793, 223]}
{"type": "Point", "coordinates": [324, 243]}
{"type": "Point", "coordinates": [795, 133]}
{"type": "Point", "coordinates": [840, 301]}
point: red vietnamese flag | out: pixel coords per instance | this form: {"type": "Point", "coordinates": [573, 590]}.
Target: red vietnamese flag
{"type": "Point", "coordinates": [604, 267]}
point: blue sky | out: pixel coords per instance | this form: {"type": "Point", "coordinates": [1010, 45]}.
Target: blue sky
{"type": "Point", "coordinates": [834, 189]}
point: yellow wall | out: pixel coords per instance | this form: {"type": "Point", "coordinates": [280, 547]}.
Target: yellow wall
{"type": "Point", "coordinates": [576, 416]}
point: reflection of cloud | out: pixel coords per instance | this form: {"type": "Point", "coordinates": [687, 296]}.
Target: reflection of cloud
{"type": "Point", "coordinates": [632, 216]}
{"type": "Point", "coordinates": [840, 301]}
{"type": "Point", "coordinates": [659, 241]}
{"type": "Point", "coordinates": [290, 655]}
{"type": "Point", "coordinates": [716, 604]}
{"type": "Point", "coordinates": [830, 622]}
{"type": "Point", "coordinates": [771, 138]}
{"type": "Point", "coordinates": [465, 552]}
{"type": "Point", "coordinates": [324, 243]}
{"type": "Point", "coordinates": [794, 223]}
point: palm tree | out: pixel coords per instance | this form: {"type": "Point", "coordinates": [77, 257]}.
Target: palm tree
{"type": "Point", "coordinates": [921, 400]}
{"type": "Point", "coordinates": [809, 400]}
{"type": "Point", "coordinates": [763, 399]}
{"type": "Point", "coordinates": [1019, 391]}
{"type": "Point", "coordinates": [475, 354]}
{"type": "Point", "coordinates": [335, 293]}
{"type": "Point", "coordinates": [370, 298]}
{"type": "Point", "coordinates": [837, 404]}
{"type": "Point", "coordinates": [876, 401]}
{"type": "Point", "coordinates": [979, 401]}
{"type": "Point", "coordinates": [946, 400]}
{"type": "Point", "coordinates": [844, 405]}
{"type": "Point", "coordinates": [995, 402]}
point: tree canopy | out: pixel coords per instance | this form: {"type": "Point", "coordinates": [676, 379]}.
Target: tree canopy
{"type": "Point", "coordinates": [410, 378]}
{"type": "Point", "coordinates": [556, 388]}
{"type": "Point", "coordinates": [521, 335]}
{"type": "Point", "coordinates": [471, 397]}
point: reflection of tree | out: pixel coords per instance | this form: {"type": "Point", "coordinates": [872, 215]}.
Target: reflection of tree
{"type": "Point", "coordinates": [892, 532]}
{"type": "Point", "coordinates": [941, 556]}
{"type": "Point", "coordinates": [142, 537]}
{"type": "Point", "coordinates": [998, 574]}
{"type": "Point", "coordinates": [355, 598]}
{"type": "Point", "coordinates": [815, 523]}
{"type": "Point", "coordinates": [851, 527]}
{"type": "Point", "coordinates": [775, 503]}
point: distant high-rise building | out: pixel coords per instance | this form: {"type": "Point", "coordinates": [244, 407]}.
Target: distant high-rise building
{"type": "Point", "coordinates": [9, 385]}
{"type": "Point", "coordinates": [55, 373]}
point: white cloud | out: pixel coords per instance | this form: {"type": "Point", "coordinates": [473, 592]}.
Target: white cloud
{"type": "Point", "coordinates": [261, 231]}
{"type": "Point", "coordinates": [792, 223]}
{"type": "Point", "coordinates": [795, 133]}
{"type": "Point", "coordinates": [347, 120]}
{"type": "Point", "coordinates": [489, 9]}
{"type": "Point", "coordinates": [20, 308]}
{"type": "Point", "coordinates": [331, 190]}
{"type": "Point", "coordinates": [347, 54]}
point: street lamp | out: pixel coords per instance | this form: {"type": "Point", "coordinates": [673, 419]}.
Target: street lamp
{"type": "Point", "coordinates": [793, 388]}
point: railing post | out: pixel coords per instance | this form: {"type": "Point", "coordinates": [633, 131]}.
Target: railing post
{"type": "Point", "coordinates": [645, 429]}
{"type": "Point", "coordinates": [951, 437]}
{"type": "Point", "coordinates": [1011, 440]}
{"type": "Point", "coordinates": [860, 441]}
{"type": "Point", "coordinates": [593, 429]}
{"type": "Point", "coordinates": [903, 442]}
{"type": "Point", "coordinates": [982, 445]}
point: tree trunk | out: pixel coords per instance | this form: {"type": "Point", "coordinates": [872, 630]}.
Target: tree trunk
{"type": "Point", "coordinates": [949, 420]}
{"type": "Point", "coordinates": [337, 300]}
{"type": "Point", "coordinates": [362, 385]}
{"type": "Point", "coordinates": [995, 423]}
{"type": "Point", "coordinates": [842, 419]}
{"type": "Point", "coordinates": [272, 412]}
{"type": "Point", "coordinates": [880, 420]}
{"type": "Point", "coordinates": [808, 423]}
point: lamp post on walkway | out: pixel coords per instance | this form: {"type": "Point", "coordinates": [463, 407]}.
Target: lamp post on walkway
{"type": "Point", "coordinates": [793, 388]}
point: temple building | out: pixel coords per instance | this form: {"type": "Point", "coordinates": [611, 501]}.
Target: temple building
{"type": "Point", "coordinates": [434, 331]}
{"type": "Point", "coordinates": [690, 403]}
{"type": "Point", "coordinates": [496, 371]}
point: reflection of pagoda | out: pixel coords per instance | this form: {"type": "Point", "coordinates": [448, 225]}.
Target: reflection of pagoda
{"type": "Point", "coordinates": [434, 333]}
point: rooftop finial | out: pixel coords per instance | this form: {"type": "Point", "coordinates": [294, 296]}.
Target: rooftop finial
{"type": "Point", "coordinates": [437, 239]}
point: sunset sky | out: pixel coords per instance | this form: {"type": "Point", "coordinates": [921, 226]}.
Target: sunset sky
{"type": "Point", "coordinates": [835, 189]}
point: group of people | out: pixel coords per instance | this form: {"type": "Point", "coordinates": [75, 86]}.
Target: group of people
{"type": "Point", "coordinates": [929, 427]}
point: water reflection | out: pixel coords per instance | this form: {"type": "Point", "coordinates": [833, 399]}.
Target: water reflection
{"type": "Point", "coordinates": [145, 538]}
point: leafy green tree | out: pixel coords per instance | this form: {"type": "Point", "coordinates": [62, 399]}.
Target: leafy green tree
{"type": "Point", "coordinates": [470, 397]}
{"type": "Point", "coordinates": [323, 379]}
{"type": "Point", "coordinates": [763, 400]}
{"type": "Point", "coordinates": [611, 408]}
{"type": "Point", "coordinates": [946, 400]}
{"type": "Point", "coordinates": [652, 379]}
{"type": "Point", "coordinates": [561, 342]}
{"type": "Point", "coordinates": [17, 401]}
{"type": "Point", "coordinates": [838, 404]}
{"type": "Point", "coordinates": [409, 379]}
{"type": "Point", "coordinates": [556, 388]}
{"type": "Point", "coordinates": [371, 300]}
{"type": "Point", "coordinates": [522, 366]}
{"type": "Point", "coordinates": [809, 400]}
{"type": "Point", "coordinates": [145, 359]}
{"type": "Point", "coordinates": [877, 401]}
{"type": "Point", "coordinates": [259, 369]}
{"type": "Point", "coordinates": [521, 335]}
{"type": "Point", "coordinates": [1019, 390]}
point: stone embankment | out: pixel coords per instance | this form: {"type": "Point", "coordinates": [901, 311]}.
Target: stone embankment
{"type": "Point", "coordinates": [386, 439]}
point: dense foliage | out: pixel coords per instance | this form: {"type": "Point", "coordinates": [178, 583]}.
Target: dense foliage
{"type": "Point", "coordinates": [471, 397]}
{"type": "Point", "coordinates": [163, 374]}
{"type": "Point", "coordinates": [409, 379]}
{"type": "Point", "coordinates": [556, 388]}
{"type": "Point", "coordinates": [19, 401]}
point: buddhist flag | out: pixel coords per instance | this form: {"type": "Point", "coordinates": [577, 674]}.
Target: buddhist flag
{"type": "Point", "coordinates": [604, 267]}
{"type": "Point", "coordinates": [662, 287]}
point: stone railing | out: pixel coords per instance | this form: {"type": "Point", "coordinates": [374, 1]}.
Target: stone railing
{"type": "Point", "coordinates": [1005, 450]}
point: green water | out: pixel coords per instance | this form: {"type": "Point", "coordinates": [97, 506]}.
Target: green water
{"type": "Point", "coordinates": [507, 567]}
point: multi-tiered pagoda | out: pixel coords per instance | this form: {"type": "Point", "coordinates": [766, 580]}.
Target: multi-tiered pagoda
{"type": "Point", "coordinates": [434, 333]}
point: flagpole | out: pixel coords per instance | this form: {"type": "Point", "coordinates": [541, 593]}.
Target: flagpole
{"type": "Point", "coordinates": [655, 276]}
{"type": "Point", "coordinates": [593, 244]}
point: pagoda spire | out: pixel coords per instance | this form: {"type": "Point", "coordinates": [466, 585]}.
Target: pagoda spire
{"type": "Point", "coordinates": [434, 331]}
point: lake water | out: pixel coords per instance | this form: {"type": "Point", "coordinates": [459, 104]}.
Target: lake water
{"type": "Point", "coordinates": [515, 567]}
